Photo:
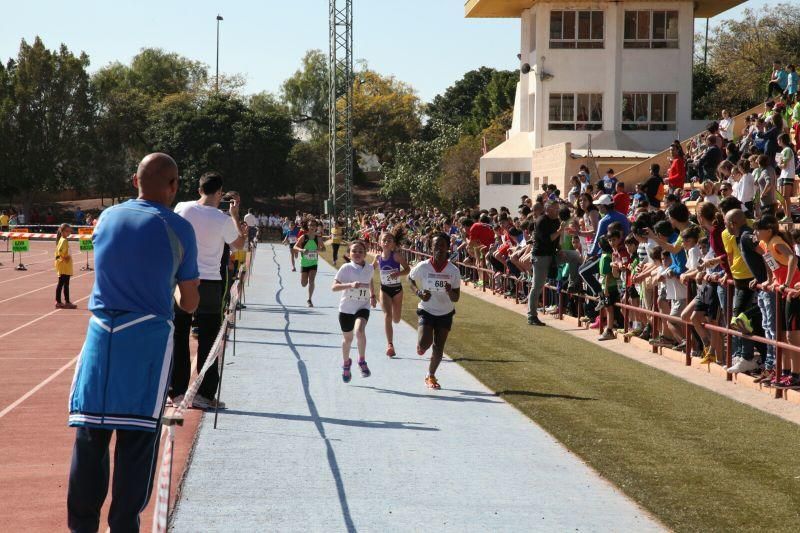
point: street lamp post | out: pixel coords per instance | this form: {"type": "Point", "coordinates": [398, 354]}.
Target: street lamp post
{"type": "Point", "coordinates": [219, 18]}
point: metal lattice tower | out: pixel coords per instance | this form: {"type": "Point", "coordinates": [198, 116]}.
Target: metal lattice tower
{"type": "Point", "coordinates": [340, 106]}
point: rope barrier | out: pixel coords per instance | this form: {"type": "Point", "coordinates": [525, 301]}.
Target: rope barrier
{"type": "Point", "coordinates": [176, 417]}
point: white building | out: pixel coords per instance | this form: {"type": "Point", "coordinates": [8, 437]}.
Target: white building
{"type": "Point", "coordinates": [616, 74]}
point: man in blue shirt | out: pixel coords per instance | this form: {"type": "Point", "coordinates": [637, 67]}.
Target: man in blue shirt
{"type": "Point", "coordinates": [142, 251]}
{"type": "Point", "coordinates": [778, 81]}
{"type": "Point", "coordinates": [590, 267]}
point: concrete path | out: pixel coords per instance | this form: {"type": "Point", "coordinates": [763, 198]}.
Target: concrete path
{"type": "Point", "coordinates": [298, 450]}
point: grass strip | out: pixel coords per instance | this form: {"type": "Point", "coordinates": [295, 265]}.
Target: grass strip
{"type": "Point", "coordinates": [695, 459]}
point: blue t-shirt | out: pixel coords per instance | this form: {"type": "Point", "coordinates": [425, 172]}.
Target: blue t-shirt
{"type": "Point", "coordinates": [609, 184]}
{"type": "Point", "coordinates": [141, 251]}
{"type": "Point", "coordinates": [783, 78]}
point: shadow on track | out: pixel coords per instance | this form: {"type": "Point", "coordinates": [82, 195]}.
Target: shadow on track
{"type": "Point", "coordinates": [312, 407]}
{"type": "Point", "coordinates": [466, 396]}
{"type": "Point", "coordinates": [372, 424]}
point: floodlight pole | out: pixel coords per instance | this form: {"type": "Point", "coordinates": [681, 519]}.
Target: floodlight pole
{"type": "Point", "coordinates": [340, 109]}
{"type": "Point", "coordinates": [219, 18]}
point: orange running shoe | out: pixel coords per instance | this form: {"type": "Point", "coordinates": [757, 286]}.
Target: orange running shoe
{"type": "Point", "coordinates": [432, 383]}
{"type": "Point", "coordinates": [390, 350]}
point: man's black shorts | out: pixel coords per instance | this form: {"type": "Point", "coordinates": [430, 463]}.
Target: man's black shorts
{"type": "Point", "coordinates": [435, 321]}
{"type": "Point", "coordinates": [308, 268]}
{"type": "Point", "coordinates": [347, 321]}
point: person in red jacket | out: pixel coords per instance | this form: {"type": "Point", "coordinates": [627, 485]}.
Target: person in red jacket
{"type": "Point", "coordinates": [676, 175]}
{"type": "Point", "coordinates": [622, 200]}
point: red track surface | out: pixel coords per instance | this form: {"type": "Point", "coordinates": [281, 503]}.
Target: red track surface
{"type": "Point", "coordinates": [38, 347]}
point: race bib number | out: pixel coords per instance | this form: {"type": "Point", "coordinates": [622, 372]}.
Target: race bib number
{"type": "Point", "coordinates": [387, 279]}
{"type": "Point", "coordinates": [361, 294]}
{"type": "Point", "coordinates": [771, 262]}
{"type": "Point", "coordinates": [311, 255]}
{"type": "Point", "coordinates": [437, 282]}
{"type": "Point", "coordinates": [292, 239]}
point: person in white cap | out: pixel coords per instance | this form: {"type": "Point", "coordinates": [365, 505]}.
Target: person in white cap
{"type": "Point", "coordinates": [605, 203]}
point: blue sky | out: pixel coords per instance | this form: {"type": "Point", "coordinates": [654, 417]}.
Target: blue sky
{"type": "Point", "coordinates": [427, 43]}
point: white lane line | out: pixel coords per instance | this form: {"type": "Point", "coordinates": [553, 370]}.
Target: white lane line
{"type": "Point", "coordinates": [35, 320]}
{"type": "Point", "coordinates": [23, 277]}
{"type": "Point", "coordinates": [33, 391]}
{"type": "Point", "coordinates": [47, 380]}
{"type": "Point", "coordinates": [41, 289]}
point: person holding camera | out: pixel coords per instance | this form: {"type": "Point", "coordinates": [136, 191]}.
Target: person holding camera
{"type": "Point", "coordinates": [213, 229]}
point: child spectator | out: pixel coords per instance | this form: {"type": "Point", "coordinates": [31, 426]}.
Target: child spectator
{"type": "Point", "coordinates": [63, 264]}
{"type": "Point", "coordinates": [608, 280]}
{"type": "Point", "coordinates": [786, 163]}
{"type": "Point", "coordinates": [622, 200]}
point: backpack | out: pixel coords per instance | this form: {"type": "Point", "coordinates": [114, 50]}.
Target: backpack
{"type": "Point", "coordinates": [660, 193]}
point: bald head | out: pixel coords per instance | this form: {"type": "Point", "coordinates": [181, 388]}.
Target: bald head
{"type": "Point", "coordinates": [157, 178]}
{"type": "Point", "coordinates": [735, 218]}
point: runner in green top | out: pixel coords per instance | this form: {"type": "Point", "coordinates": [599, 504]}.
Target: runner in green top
{"type": "Point", "coordinates": [308, 246]}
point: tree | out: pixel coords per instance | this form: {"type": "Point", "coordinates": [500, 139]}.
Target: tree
{"type": "Point", "coordinates": [385, 112]}
{"type": "Point", "coordinates": [460, 166]}
{"type": "Point", "coordinates": [308, 168]}
{"type": "Point", "coordinates": [306, 93]}
{"type": "Point", "coordinates": [416, 167]}
{"type": "Point", "coordinates": [474, 100]}
{"type": "Point", "coordinates": [221, 133]}
{"type": "Point", "coordinates": [741, 53]}
{"type": "Point", "coordinates": [48, 119]}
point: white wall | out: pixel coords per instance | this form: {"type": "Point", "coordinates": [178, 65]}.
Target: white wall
{"type": "Point", "coordinates": [503, 195]}
{"type": "Point", "coordinates": [610, 71]}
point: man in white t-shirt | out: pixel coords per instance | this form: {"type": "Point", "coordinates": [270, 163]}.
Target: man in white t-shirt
{"type": "Point", "coordinates": [439, 280]}
{"type": "Point", "coordinates": [213, 229]}
{"type": "Point", "coordinates": [252, 225]}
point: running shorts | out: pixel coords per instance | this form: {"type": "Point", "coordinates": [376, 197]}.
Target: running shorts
{"type": "Point", "coordinates": [435, 321]}
{"type": "Point", "coordinates": [391, 290]}
{"type": "Point", "coordinates": [347, 321]}
{"type": "Point", "coordinates": [308, 268]}
{"type": "Point", "coordinates": [791, 314]}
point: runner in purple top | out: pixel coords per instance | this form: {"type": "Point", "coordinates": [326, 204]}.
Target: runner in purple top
{"type": "Point", "coordinates": [391, 265]}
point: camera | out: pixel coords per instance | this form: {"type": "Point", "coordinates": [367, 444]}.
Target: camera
{"type": "Point", "coordinates": [225, 205]}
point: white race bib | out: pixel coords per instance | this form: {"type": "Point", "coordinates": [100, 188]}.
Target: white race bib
{"type": "Point", "coordinates": [389, 281]}
{"type": "Point", "coordinates": [292, 239]}
{"type": "Point", "coordinates": [435, 282]}
{"type": "Point", "coordinates": [360, 294]}
{"type": "Point", "coordinates": [771, 262]}
{"type": "Point", "coordinates": [311, 255]}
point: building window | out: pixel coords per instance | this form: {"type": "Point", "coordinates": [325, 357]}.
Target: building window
{"type": "Point", "coordinates": [576, 29]}
{"type": "Point", "coordinates": [572, 112]}
{"type": "Point", "coordinates": [649, 111]}
{"type": "Point", "coordinates": [508, 178]}
{"type": "Point", "coordinates": [651, 29]}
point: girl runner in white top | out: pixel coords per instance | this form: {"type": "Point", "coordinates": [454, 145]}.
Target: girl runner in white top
{"type": "Point", "coordinates": [440, 280]}
{"type": "Point", "coordinates": [355, 280]}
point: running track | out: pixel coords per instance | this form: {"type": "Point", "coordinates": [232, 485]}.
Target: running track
{"type": "Point", "coordinates": [38, 350]}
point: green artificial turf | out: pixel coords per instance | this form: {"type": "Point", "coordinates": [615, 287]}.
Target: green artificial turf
{"type": "Point", "coordinates": [696, 460]}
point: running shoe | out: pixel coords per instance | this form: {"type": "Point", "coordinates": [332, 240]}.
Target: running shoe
{"type": "Point", "coordinates": [708, 356]}
{"type": "Point", "coordinates": [787, 381]}
{"type": "Point", "coordinates": [201, 402]}
{"type": "Point", "coordinates": [69, 305]}
{"type": "Point", "coordinates": [294, 269]}
{"type": "Point", "coordinates": [663, 342]}
{"type": "Point", "coordinates": [742, 323]}
{"type": "Point", "coordinates": [432, 383]}
{"type": "Point", "coordinates": [534, 321]}
{"type": "Point", "coordinates": [390, 350]}
{"type": "Point", "coordinates": [680, 347]}
{"type": "Point", "coordinates": [365, 373]}
{"type": "Point", "coordinates": [606, 336]}
{"type": "Point", "coordinates": [59, 305]}
{"type": "Point", "coordinates": [346, 375]}
{"type": "Point", "coordinates": [743, 365]}
{"type": "Point", "coordinates": [309, 303]}
{"type": "Point", "coordinates": [765, 376]}
{"type": "Point", "coordinates": [420, 351]}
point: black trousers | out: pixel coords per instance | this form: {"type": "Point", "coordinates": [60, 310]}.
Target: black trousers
{"type": "Point", "coordinates": [336, 252]}
{"type": "Point", "coordinates": [63, 284]}
{"type": "Point", "coordinates": [135, 460]}
{"type": "Point", "coordinates": [208, 320]}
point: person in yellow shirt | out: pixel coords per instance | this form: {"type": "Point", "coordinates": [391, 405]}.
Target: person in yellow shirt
{"type": "Point", "coordinates": [336, 238]}
{"type": "Point", "coordinates": [3, 221]}
{"type": "Point", "coordinates": [63, 264]}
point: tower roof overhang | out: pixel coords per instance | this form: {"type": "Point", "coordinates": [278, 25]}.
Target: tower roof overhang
{"type": "Point", "coordinates": [513, 8]}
